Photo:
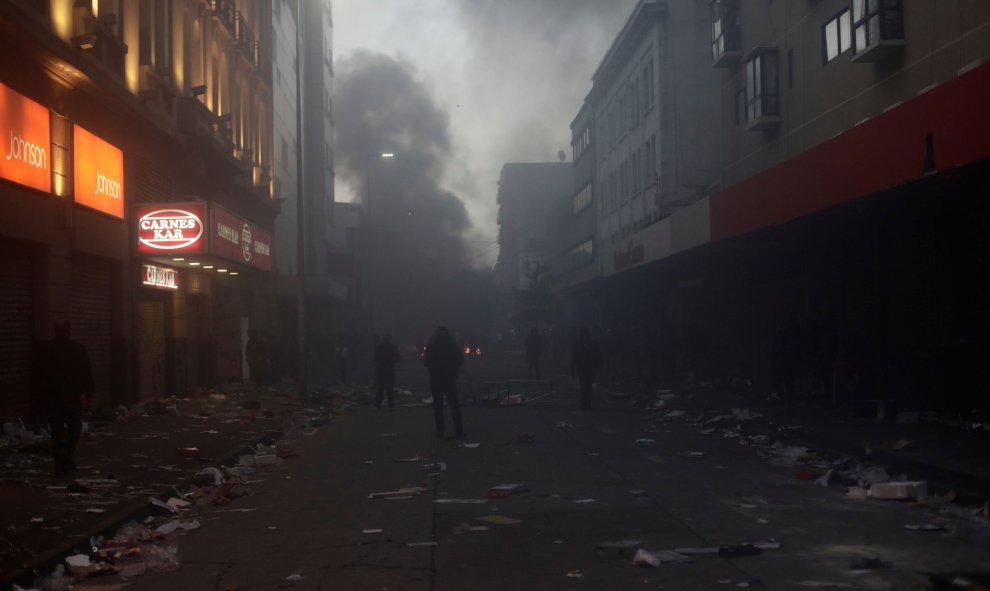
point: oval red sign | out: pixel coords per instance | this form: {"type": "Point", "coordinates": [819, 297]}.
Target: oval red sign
{"type": "Point", "coordinates": [170, 229]}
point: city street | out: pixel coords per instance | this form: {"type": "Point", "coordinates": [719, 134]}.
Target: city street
{"type": "Point", "coordinates": [589, 484]}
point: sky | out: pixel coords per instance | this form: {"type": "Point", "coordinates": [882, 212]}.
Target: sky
{"type": "Point", "coordinates": [505, 78]}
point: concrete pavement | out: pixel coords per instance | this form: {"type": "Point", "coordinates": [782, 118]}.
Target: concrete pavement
{"type": "Point", "coordinates": [590, 484]}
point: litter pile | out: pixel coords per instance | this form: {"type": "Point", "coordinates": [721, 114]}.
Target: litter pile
{"type": "Point", "coordinates": [862, 479]}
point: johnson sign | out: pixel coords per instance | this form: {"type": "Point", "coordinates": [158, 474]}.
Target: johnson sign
{"type": "Point", "coordinates": [174, 228]}
{"type": "Point", "coordinates": [99, 173]}
{"type": "Point", "coordinates": [25, 141]}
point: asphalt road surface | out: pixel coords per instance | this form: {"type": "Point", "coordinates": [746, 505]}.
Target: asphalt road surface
{"type": "Point", "coordinates": [589, 484]}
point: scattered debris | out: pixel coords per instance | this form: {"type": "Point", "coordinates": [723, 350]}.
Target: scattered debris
{"type": "Point", "coordinates": [655, 559]}
{"type": "Point", "coordinates": [498, 520]}
{"type": "Point", "coordinates": [621, 549]}
{"type": "Point", "coordinates": [898, 490]}
{"type": "Point", "coordinates": [449, 501]}
{"type": "Point", "coordinates": [505, 490]}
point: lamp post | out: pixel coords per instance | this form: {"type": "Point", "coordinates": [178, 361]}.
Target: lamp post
{"type": "Point", "coordinates": [373, 157]}
{"type": "Point", "coordinates": [302, 376]}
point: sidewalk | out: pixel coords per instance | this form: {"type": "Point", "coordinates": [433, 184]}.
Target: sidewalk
{"type": "Point", "coordinates": [949, 458]}
{"type": "Point", "coordinates": [121, 464]}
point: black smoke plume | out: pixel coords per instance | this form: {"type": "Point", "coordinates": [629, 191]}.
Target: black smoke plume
{"type": "Point", "coordinates": [416, 261]}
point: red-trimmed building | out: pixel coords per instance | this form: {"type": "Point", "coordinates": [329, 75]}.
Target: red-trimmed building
{"type": "Point", "coordinates": [852, 200]}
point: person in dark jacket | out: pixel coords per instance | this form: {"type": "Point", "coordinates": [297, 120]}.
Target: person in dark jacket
{"type": "Point", "coordinates": [386, 357]}
{"type": "Point", "coordinates": [61, 378]}
{"type": "Point", "coordinates": [586, 359]}
{"type": "Point", "coordinates": [443, 360]}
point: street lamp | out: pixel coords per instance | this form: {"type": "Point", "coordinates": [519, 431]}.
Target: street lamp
{"type": "Point", "coordinates": [372, 158]}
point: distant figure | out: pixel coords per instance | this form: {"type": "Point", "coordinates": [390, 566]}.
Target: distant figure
{"type": "Point", "coordinates": [443, 359]}
{"type": "Point", "coordinates": [586, 359]}
{"type": "Point", "coordinates": [255, 354]}
{"type": "Point", "coordinates": [386, 356]}
{"type": "Point", "coordinates": [534, 351]}
{"type": "Point", "coordinates": [61, 378]}
{"type": "Point", "coordinates": [340, 359]}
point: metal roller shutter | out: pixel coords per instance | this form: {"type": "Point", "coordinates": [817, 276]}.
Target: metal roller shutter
{"type": "Point", "coordinates": [151, 349]}
{"type": "Point", "coordinates": [90, 317]}
{"type": "Point", "coordinates": [16, 329]}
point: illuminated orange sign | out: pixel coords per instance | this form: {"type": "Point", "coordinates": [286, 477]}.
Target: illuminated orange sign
{"type": "Point", "coordinates": [99, 173]}
{"type": "Point", "coordinates": [25, 141]}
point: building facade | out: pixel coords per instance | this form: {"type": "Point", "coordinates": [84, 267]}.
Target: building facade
{"type": "Point", "coordinates": [846, 199]}
{"type": "Point", "coordinates": [144, 214]}
{"type": "Point", "coordinates": [307, 137]}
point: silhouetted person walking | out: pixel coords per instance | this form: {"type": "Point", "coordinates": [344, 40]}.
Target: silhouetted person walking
{"type": "Point", "coordinates": [443, 359]}
{"type": "Point", "coordinates": [586, 359]}
{"type": "Point", "coordinates": [386, 357]}
{"type": "Point", "coordinates": [61, 377]}
{"type": "Point", "coordinates": [534, 352]}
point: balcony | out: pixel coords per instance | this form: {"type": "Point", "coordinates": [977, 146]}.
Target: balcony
{"type": "Point", "coordinates": [244, 40]}
{"type": "Point", "coordinates": [878, 30]}
{"type": "Point", "coordinates": [226, 12]}
{"type": "Point", "coordinates": [194, 119]}
{"type": "Point", "coordinates": [726, 33]}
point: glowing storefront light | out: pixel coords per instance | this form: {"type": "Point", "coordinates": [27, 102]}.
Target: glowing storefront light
{"type": "Point", "coordinates": [98, 167]}
{"type": "Point", "coordinates": [25, 141]}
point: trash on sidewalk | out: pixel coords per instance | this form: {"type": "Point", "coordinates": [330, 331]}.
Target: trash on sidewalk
{"type": "Point", "coordinates": [375, 530]}
{"type": "Point", "coordinates": [655, 559]}
{"type": "Point", "coordinates": [469, 445]}
{"type": "Point", "coordinates": [824, 479]}
{"type": "Point", "coordinates": [564, 425]}
{"type": "Point", "coordinates": [621, 549]}
{"type": "Point", "coordinates": [738, 551]}
{"type": "Point", "coordinates": [505, 490]}
{"type": "Point", "coordinates": [446, 501]}
{"type": "Point", "coordinates": [585, 501]}
{"type": "Point", "coordinates": [464, 528]}
{"type": "Point", "coordinates": [898, 490]}
{"type": "Point", "coordinates": [744, 414]}
{"type": "Point", "coordinates": [924, 527]}
{"type": "Point", "coordinates": [806, 474]}
{"type": "Point", "coordinates": [741, 583]}
{"type": "Point", "coordinates": [435, 467]}
{"type": "Point", "coordinates": [498, 520]}
{"type": "Point", "coordinates": [693, 551]}
{"type": "Point", "coordinates": [900, 444]}
{"type": "Point", "coordinates": [869, 564]}
{"type": "Point", "coordinates": [692, 454]}
{"type": "Point", "coordinates": [646, 442]}
{"type": "Point", "coordinates": [575, 574]}
{"type": "Point", "coordinates": [421, 544]}
{"type": "Point", "coordinates": [860, 494]}
{"type": "Point", "coordinates": [402, 493]}
{"type": "Point", "coordinates": [409, 460]}
{"type": "Point", "coordinates": [187, 452]}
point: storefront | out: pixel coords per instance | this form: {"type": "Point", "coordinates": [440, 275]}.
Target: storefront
{"type": "Point", "coordinates": [64, 242]}
{"type": "Point", "coordinates": [201, 261]}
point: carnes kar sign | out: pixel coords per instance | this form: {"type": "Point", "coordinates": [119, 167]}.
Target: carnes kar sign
{"type": "Point", "coordinates": [174, 228]}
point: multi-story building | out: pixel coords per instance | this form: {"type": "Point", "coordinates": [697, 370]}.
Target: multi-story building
{"type": "Point", "coordinates": [572, 243]}
{"type": "Point", "coordinates": [315, 140]}
{"type": "Point", "coordinates": [836, 189]}
{"type": "Point", "coordinates": [646, 155]}
{"type": "Point", "coordinates": [527, 193]}
{"type": "Point", "coordinates": [854, 154]}
{"type": "Point", "coordinates": [138, 201]}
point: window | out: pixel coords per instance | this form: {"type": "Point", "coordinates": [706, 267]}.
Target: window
{"type": "Point", "coordinates": [762, 95]}
{"type": "Point", "coordinates": [875, 23]}
{"type": "Point", "coordinates": [726, 40]}
{"type": "Point", "coordinates": [837, 36]}
{"type": "Point", "coordinates": [581, 200]}
{"type": "Point", "coordinates": [741, 106]}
